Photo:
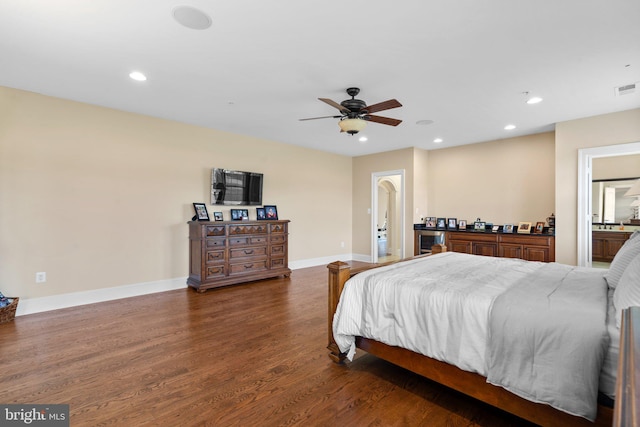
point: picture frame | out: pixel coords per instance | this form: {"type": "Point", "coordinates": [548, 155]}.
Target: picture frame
{"type": "Point", "coordinates": [495, 228]}
{"type": "Point", "coordinates": [261, 214]}
{"type": "Point", "coordinates": [218, 216]}
{"type": "Point", "coordinates": [430, 222]}
{"type": "Point", "coordinates": [524, 227]}
{"type": "Point", "coordinates": [452, 223]}
{"type": "Point", "coordinates": [441, 224]}
{"type": "Point", "coordinates": [507, 228]}
{"type": "Point", "coordinates": [271, 211]}
{"type": "Point", "coordinates": [239, 214]}
{"type": "Point", "coordinates": [479, 226]}
{"type": "Point", "coordinates": [539, 227]}
{"type": "Point", "coordinates": [462, 225]}
{"type": "Point", "coordinates": [201, 212]}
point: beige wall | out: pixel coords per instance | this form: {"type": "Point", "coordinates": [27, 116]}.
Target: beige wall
{"type": "Point", "coordinates": [616, 167]}
{"type": "Point", "coordinates": [502, 182]}
{"type": "Point", "coordinates": [496, 181]}
{"type": "Point", "coordinates": [598, 131]}
{"type": "Point", "coordinates": [421, 184]}
{"type": "Point", "coordinates": [363, 168]}
{"type": "Point", "coordinates": [99, 198]}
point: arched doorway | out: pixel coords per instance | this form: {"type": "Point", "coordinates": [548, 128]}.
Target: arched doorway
{"type": "Point", "coordinates": [387, 216]}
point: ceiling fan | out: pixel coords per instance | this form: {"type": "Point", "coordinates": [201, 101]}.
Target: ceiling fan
{"type": "Point", "coordinates": [354, 113]}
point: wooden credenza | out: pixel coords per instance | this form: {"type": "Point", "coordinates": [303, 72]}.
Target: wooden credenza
{"type": "Point", "coordinates": [231, 252]}
{"type": "Point", "coordinates": [530, 247]}
{"type": "Point", "coordinates": [606, 244]}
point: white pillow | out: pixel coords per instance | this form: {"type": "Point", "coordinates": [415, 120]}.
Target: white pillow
{"type": "Point", "coordinates": [627, 252]}
{"type": "Point", "coordinates": [627, 294]}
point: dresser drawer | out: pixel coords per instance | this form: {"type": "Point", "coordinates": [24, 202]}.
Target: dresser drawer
{"type": "Point", "coordinates": [215, 271]}
{"type": "Point", "coordinates": [215, 243]}
{"type": "Point", "coordinates": [248, 267]}
{"type": "Point", "coordinates": [215, 257]}
{"type": "Point", "coordinates": [253, 251]}
{"type": "Point", "coordinates": [215, 230]}
{"type": "Point", "coordinates": [247, 240]}
{"type": "Point", "coordinates": [277, 250]}
{"type": "Point", "coordinates": [258, 240]}
{"type": "Point", "coordinates": [278, 238]}
{"type": "Point", "coordinates": [238, 241]}
{"type": "Point", "coordinates": [278, 263]}
{"type": "Point", "coordinates": [247, 229]}
{"type": "Point", "coordinates": [277, 228]}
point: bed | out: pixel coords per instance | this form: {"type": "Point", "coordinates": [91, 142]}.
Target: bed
{"type": "Point", "coordinates": [469, 356]}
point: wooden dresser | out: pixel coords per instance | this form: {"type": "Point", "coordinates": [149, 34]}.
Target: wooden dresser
{"type": "Point", "coordinates": [530, 247]}
{"type": "Point", "coordinates": [230, 252]}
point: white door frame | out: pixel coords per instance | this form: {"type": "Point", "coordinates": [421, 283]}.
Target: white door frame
{"type": "Point", "coordinates": [374, 211]}
{"type": "Point", "coordinates": [585, 158]}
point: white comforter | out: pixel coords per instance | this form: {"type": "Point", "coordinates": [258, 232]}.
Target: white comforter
{"type": "Point", "coordinates": [441, 309]}
{"type": "Point", "coordinates": [441, 306]}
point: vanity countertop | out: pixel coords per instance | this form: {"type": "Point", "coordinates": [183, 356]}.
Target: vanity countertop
{"type": "Point", "coordinates": [616, 229]}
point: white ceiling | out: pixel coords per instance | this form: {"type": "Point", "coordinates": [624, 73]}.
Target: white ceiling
{"type": "Point", "coordinates": [262, 64]}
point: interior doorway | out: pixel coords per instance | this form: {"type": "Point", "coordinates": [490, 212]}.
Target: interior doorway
{"type": "Point", "coordinates": [387, 216]}
{"type": "Point", "coordinates": [585, 196]}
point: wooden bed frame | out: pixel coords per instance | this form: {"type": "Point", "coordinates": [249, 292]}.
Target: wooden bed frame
{"type": "Point", "coordinates": [475, 385]}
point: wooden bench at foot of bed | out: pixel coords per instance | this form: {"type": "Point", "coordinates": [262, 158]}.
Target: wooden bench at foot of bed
{"type": "Point", "coordinates": [469, 383]}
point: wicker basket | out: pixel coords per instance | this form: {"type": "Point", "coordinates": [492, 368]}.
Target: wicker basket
{"type": "Point", "coordinates": [8, 313]}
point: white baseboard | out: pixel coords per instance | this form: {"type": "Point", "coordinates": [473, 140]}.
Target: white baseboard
{"type": "Point", "coordinates": [55, 302]}
{"type": "Point", "coordinates": [363, 258]}
{"type": "Point", "coordinates": [312, 262]}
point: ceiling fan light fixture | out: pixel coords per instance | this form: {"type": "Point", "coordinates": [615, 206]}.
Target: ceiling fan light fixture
{"type": "Point", "coordinates": [351, 126]}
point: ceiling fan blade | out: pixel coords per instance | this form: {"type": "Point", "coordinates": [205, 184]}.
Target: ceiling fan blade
{"type": "Point", "coordinates": [334, 104]}
{"type": "Point", "coordinates": [386, 105]}
{"type": "Point", "coordinates": [324, 117]}
{"type": "Point", "coordinates": [382, 120]}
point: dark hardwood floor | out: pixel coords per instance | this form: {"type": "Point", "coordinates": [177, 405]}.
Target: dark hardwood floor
{"type": "Point", "coordinates": [251, 354]}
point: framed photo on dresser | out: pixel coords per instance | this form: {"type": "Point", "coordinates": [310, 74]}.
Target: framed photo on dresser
{"type": "Point", "coordinates": [430, 222]}
{"type": "Point", "coordinates": [239, 214]}
{"type": "Point", "coordinates": [201, 212]}
{"type": "Point", "coordinates": [271, 211]}
{"type": "Point", "coordinates": [524, 227]}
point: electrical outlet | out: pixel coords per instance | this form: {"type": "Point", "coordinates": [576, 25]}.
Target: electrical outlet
{"type": "Point", "coordinates": [41, 277]}
{"type": "Point", "coordinates": [342, 244]}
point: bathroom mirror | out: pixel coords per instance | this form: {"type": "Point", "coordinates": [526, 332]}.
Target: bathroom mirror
{"type": "Point", "coordinates": [609, 204]}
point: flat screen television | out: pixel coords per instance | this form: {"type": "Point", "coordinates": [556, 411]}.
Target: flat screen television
{"type": "Point", "coordinates": [229, 187]}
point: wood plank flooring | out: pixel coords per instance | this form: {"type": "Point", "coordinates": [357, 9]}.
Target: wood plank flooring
{"type": "Point", "coordinates": [251, 354]}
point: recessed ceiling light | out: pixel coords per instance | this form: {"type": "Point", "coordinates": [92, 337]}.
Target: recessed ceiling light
{"type": "Point", "coordinates": [509, 127]}
{"type": "Point", "coordinates": [363, 139]}
{"type": "Point", "coordinates": [191, 17]}
{"type": "Point", "coordinates": [437, 140]}
{"type": "Point", "coordinates": [137, 75]}
{"type": "Point", "coordinates": [534, 100]}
